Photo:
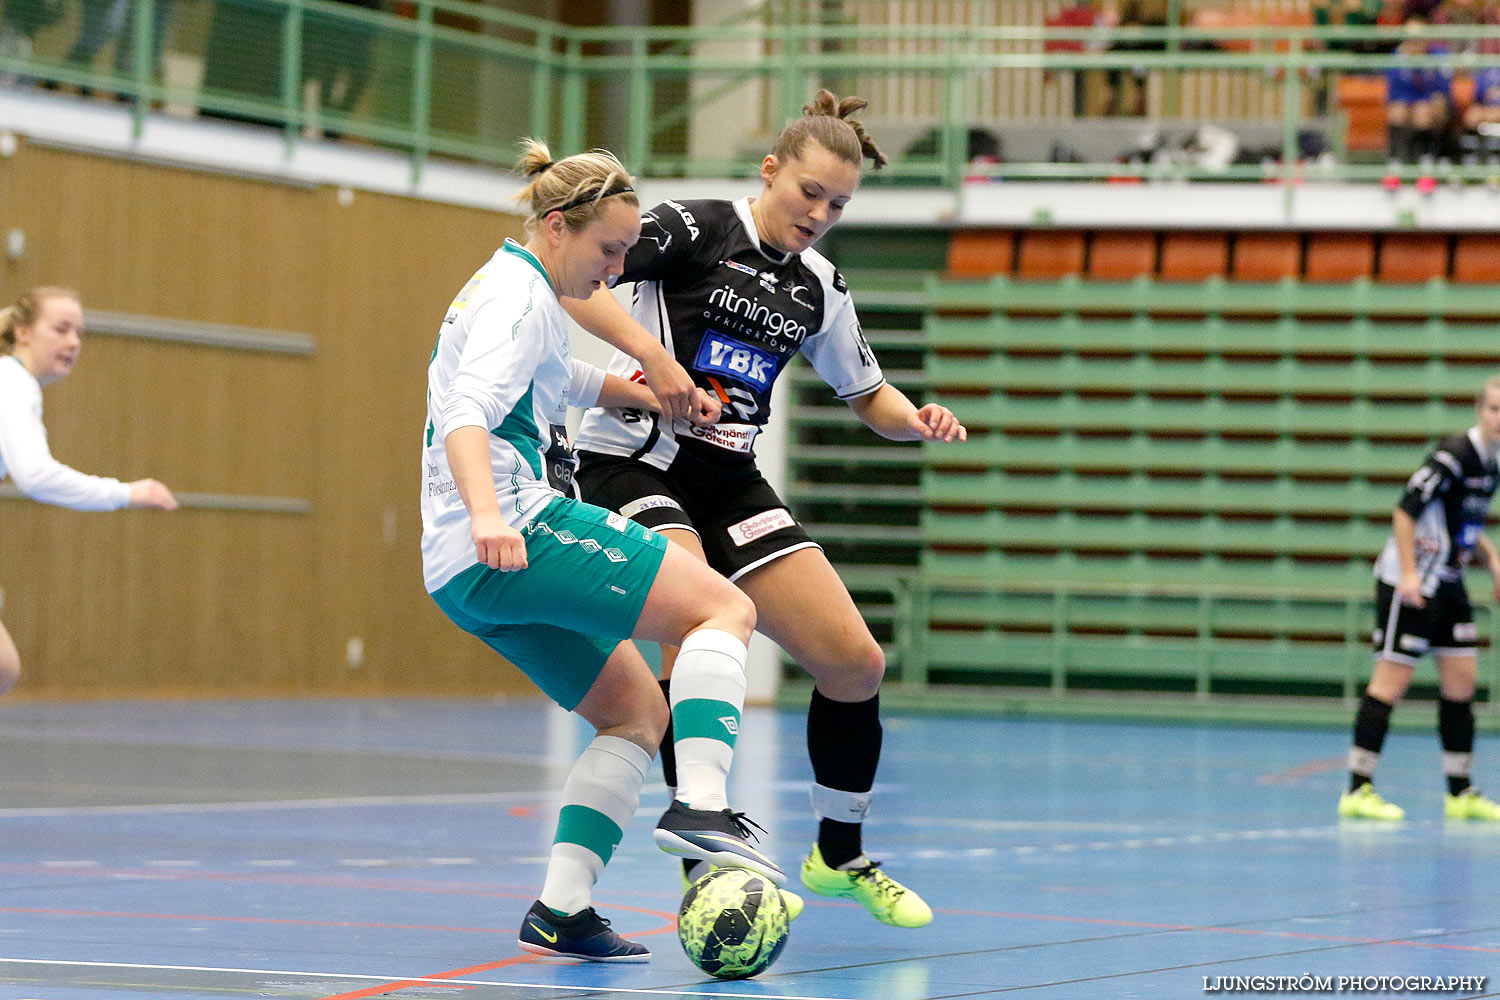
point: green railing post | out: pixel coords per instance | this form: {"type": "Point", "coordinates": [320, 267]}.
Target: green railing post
{"type": "Point", "coordinates": [141, 69]}
{"type": "Point", "coordinates": [541, 87]}
{"type": "Point", "coordinates": [955, 131]}
{"type": "Point", "coordinates": [421, 90]}
{"type": "Point", "coordinates": [1173, 78]}
{"type": "Point", "coordinates": [291, 74]}
{"type": "Point", "coordinates": [1060, 640]}
{"type": "Point", "coordinates": [1203, 686]}
{"type": "Point", "coordinates": [793, 83]}
{"type": "Point", "coordinates": [638, 134]}
{"type": "Point", "coordinates": [1291, 112]}
{"type": "Point", "coordinates": [573, 90]}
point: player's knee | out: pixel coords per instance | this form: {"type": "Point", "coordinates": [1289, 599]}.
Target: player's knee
{"type": "Point", "coordinates": [862, 670]}
{"type": "Point", "coordinates": [10, 671]}
{"type": "Point", "coordinates": [735, 612]}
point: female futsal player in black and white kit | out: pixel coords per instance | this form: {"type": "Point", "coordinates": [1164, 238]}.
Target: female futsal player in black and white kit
{"type": "Point", "coordinates": [730, 291]}
{"type": "Point", "coordinates": [1422, 606]}
{"type": "Point", "coordinates": [40, 338]}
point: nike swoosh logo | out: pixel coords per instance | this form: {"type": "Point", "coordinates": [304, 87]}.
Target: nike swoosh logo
{"type": "Point", "coordinates": [739, 844]}
{"type": "Point", "coordinates": [550, 938]}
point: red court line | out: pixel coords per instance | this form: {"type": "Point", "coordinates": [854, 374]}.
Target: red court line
{"type": "Point", "coordinates": [46, 912]}
{"type": "Point", "coordinates": [1304, 770]}
{"type": "Point", "coordinates": [371, 991]}
{"type": "Point", "coordinates": [515, 960]}
{"type": "Point", "coordinates": [1255, 932]}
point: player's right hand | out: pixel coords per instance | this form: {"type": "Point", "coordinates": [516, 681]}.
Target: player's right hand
{"type": "Point", "coordinates": [670, 383]}
{"type": "Point", "coordinates": [1409, 590]}
{"type": "Point", "coordinates": [150, 493]}
{"type": "Point", "coordinates": [706, 408]}
{"type": "Point", "coordinates": [497, 544]}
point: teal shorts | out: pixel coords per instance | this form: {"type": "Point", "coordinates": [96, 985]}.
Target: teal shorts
{"type": "Point", "coordinates": [586, 578]}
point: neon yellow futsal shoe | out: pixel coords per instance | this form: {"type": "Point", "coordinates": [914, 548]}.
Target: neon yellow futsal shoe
{"type": "Point", "coordinates": [888, 900]}
{"type": "Point", "coordinates": [1471, 804]}
{"type": "Point", "coordinates": [1365, 803]}
{"type": "Point", "coordinates": [793, 902]}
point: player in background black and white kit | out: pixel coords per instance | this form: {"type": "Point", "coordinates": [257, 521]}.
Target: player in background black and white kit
{"type": "Point", "coordinates": [726, 294]}
{"type": "Point", "coordinates": [1421, 606]}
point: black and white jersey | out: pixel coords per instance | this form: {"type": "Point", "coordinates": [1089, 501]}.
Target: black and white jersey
{"type": "Point", "coordinates": [733, 312]}
{"type": "Point", "coordinates": [1449, 499]}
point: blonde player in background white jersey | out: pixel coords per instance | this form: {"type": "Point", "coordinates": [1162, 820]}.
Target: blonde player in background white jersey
{"type": "Point", "coordinates": [558, 586]}
{"type": "Point", "coordinates": [40, 340]}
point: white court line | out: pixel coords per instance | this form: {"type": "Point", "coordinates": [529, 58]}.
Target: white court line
{"type": "Point", "coordinates": [357, 802]}
{"type": "Point", "coordinates": [410, 979]}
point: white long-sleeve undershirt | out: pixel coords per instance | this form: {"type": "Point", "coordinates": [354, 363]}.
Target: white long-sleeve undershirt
{"type": "Point", "coordinates": [24, 454]}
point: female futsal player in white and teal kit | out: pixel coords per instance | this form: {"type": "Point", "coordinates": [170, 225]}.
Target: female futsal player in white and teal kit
{"type": "Point", "coordinates": [557, 586]}
{"type": "Point", "coordinates": [41, 337]}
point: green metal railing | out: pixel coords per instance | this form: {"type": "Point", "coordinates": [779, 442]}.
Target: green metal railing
{"type": "Point", "coordinates": [457, 79]}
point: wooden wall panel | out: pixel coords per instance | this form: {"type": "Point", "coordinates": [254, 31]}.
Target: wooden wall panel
{"type": "Point", "coordinates": [209, 602]}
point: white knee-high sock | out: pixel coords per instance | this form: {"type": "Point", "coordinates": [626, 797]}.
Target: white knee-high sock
{"type": "Point", "coordinates": [599, 797]}
{"type": "Point", "coordinates": [708, 694]}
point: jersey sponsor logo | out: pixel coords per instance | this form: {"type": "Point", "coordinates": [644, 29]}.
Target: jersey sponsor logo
{"type": "Point", "coordinates": [634, 507]}
{"type": "Point", "coordinates": [839, 284]}
{"type": "Point", "coordinates": [742, 268]}
{"type": "Point", "coordinates": [614, 555]}
{"type": "Point", "coordinates": [731, 437]}
{"type": "Point", "coordinates": [687, 219]}
{"type": "Point", "coordinates": [771, 321]}
{"type": "Point", "coordinates": [799, 295]}
{"type": "Point", "coordinates": [760, 525]}
{"type": "Point", "coordinates": [768, 280]}
{"type": "Point", "coordinates": [657, 233]}
{"type": "Point", "coordinates": [731, 724]}
{"type": "Point", "coordinates": [735, 359]}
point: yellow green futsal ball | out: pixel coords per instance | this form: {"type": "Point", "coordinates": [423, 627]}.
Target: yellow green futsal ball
{"type": "Point", "coordinates": [732, 923]}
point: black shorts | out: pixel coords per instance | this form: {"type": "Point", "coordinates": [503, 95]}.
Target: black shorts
{"type": "Point", "coordinates": [1445, 624]}
{"type": "Point", "coordinates": [737, 516]}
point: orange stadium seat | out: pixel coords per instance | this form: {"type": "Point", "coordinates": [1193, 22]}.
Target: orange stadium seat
{"type": "Point", "coordinates": [1268, 256]}
{"type": "Point", "coordinates": [1192, 256]}
{"type": "Point", "coordinates": [1118, 255]}
{"type": "Point", "coordinates": [1051, 253]}
{"type": "Point", "coordinates": [1362, 99]}
{"type": "Point", "coordinates": [1476, 258]}
{"type": "Point", "coordinates": [980, 253]}
{"type": "Point", "coordinates": [1413, 257]}
{"type": "Point", "coordinates": [1339, 256]}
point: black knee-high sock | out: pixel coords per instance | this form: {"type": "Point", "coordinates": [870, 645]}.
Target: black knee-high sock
{"type": "Point", "coordinates": [1456, 730]}
{"type": "Point", "coordinates": [1370, 725]}
{"type": "Point", "coordinates": [843, 743]}
{"type": "Point", "coordinates": [668, 749]}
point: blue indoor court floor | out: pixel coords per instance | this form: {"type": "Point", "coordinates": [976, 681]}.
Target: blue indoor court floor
{"type": "Point", "coordinates": [348, 849]}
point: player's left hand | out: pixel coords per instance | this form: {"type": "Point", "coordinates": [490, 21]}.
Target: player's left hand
{"type": "Point", "coordinates": [706, 408]}
{"type": "Point", "coordinates": [937, 423]}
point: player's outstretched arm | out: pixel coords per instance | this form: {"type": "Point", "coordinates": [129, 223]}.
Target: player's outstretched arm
{"type": "Point", "coordinates": [888, 412]}
{"type": "Point", "coordinates": [602, 315]}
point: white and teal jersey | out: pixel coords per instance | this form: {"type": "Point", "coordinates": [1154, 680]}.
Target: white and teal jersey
{"type": "Point", "coordinates": [502, 362]}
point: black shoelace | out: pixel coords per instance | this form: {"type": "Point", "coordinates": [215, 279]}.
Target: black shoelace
{"type": "Point", "coordinates": [872, 873]}
{"type": "Point", "coordinates": [743, 823]}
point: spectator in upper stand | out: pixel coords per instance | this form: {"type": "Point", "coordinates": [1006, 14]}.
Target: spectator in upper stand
{"type": "Point", "coordinates": [1353, 13]}
{"type": "Point", "coordinates": [1135, 14]}
{"type": "Point", "coordinates": [1418, 98]}
{"type": "Point", "coordinates": [103, 21]}
{"type": "Point", "coordinates": [1485, 108]}
{"type": "Point", "coordinates": [1080, 14]}
{"type": "Point", "coordinates": [19, 22]}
